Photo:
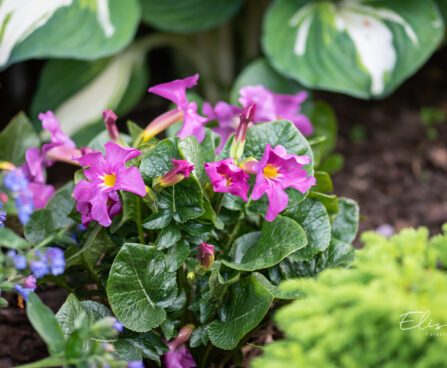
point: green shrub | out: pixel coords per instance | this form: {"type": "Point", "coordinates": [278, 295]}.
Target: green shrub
{"type": "Point", "coordinates": [356, 317]}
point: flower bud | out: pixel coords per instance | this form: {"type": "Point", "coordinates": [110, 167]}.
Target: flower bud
{"type": "Point", "coordinates": [181, 170]}
{"type": "Point", "coordinates": [5, 165]}
{"type": "Point", "coordinates": [105, 328]}
{"type": "Point", "coordinates": [206, 255]}
{"type": "Point", "coordinates": [246, 118]}
{"type": "Point", "coordinates": [160, 123]}
{"type": "Point", "coordinates": [63, 154]}
{"type": "Point", "coordinates": [110, 121]}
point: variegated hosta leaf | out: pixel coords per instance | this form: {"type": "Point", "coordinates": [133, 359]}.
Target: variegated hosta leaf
{"type": "Point", "coordinates": [79, 91]}
{"type": "Point", "coordinates": [188, 15]}
{"type": "Point", "coordinates": [82, 29]}
{"type": "Point", "coordinates": [364, 48]}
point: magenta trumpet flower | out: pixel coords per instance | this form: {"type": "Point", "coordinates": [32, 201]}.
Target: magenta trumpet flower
{"type": "Point", "coordinates": [226, 177]}
{"type": "Point", "coordinates": [277, 171]}
{"type": "Point", "coordinates": [175, 91]}
{"type": "Point", "coordinates": [228, 118]}
{"type": "Point", "coordinates": [97, 197]}
{"type": "Point", "coordinates": [273, 106]}
{"type": "Point", "coordinates": [206, 255]}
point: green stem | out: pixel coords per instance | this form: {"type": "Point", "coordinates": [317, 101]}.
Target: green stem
{"type": "Point", "coordinates": [139, 224]}
{"type": "Point", "coordinates": [218, 204]}
{"type": "Point", "coordinates": [205, 356]}
{"type": "Point", "coordinates": [235, 230]}
{"type": "Point", "coordinates": [48, 240]}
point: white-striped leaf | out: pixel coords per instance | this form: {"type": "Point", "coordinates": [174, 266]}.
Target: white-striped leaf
{"type": "Point", "coordinates": [364, 48]}
{"type": "Point", "coordinates": [81, 29]}
{"type": "Point", "coordinates": [79, 91]}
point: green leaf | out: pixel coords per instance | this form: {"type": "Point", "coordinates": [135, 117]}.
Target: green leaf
{"type": "Point", "coordinates": [260, 72]}
{"type": "Point", "coordinates": [43, 29]}
{"type": "Point", "coordinates": [168, 237]}
{"type": "Point", "coordinates": [16, 138]}
{"type": "Point", "coordinates": [188, 15]}
{"type": "Point", "coordinates": [277, 240]}
{"type": "Point", "coordinates": [134, 130]}
{"type": "Point", "coordinates": [199, 337]}
{"type": "Point", "coordinates": [150, 345]}
{"type": "Point", "coordinates": [39, 225]}
{"type": "Point", "coordinates": [140, 287]}
{"type": "Point", "coordinates": [330, 201]}
{"type": "Point", "coordinates": [282, 291]}
{"type": "Point", "coordinates": [67, 86]}
{"type": "Point", "coordinates": [345, 222]}
{"type": "Point", "coordinates": [324, 182]}
{"type": "Point", "coordinates": [177, 255]}
{"type": "Point", "coordinates": [325, 125]}
{"type": "Point", "coordinates": [9, 239]}
{"type": "Point", "coordinates": [366, 49]}
{"type": "Point", "coordinates": [97, 243]}
{"type": "Point", "coordinates": [158, 161]}
{"type": "Point", "coordinates": [130, 203]}
{"type": "Point", "coordinates": [192, 152]}
{"type": "Point", "coordinates": [61, 205]}
{"type": "Point", "coordinates": [67, 314]}
{"type": "Point", "coordinates": [184, 201]}
{"type": "Point", "coordinates": [158, 220]}
{"type": "Point", "coordinates": [313, 217]}
{"type": "Point", "coordinates": [45, 323]}
{"type": "Point", "coordinates": [244, 309]}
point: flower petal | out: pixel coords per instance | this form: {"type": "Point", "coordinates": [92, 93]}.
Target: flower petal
{"type": "Point", "coordinates": [130, 180]}
{"type": "Point", "coordinates": [117, 155]}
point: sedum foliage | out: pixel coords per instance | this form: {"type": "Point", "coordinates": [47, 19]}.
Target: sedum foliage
{"type": "Point", "coordinates": [356, 317]}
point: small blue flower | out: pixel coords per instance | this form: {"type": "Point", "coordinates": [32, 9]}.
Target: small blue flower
{"type": "Point", "coordinates": [55, 256]}
{"type": "Point", "coordinates": [135, 364]}
{"type": "Point", "coordinates": [2, 215]}
{"type": "Point", "coordinates": [25, 206]}
{"type": "Point", "coordinates": [18, 259]}
{"type": "Point", "coordinates": [15, 181]}
{"type": "Point", "coordinates": [118, 326]}
{"type": "Point", "coordinates": [22, 291]}
{"type": "Point", "coordinates": [40, 268]}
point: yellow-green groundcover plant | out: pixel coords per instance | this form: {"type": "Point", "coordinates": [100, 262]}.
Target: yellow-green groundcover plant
{"type": "Point", "coordinates": [388, 310]}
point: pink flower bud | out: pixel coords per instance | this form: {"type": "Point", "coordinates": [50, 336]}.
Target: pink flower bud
{"type": "Point", "coordinates": [30, 282]}
{"type": "Point", "coordinates": [181, 170]}
{"type": "Point", "coordinates": [110, 120]}
{"type": "Point", "coordinates": [206, 255]}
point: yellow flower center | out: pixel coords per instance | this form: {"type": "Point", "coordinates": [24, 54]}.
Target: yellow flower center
{"type": "Point", "coordinates": [110, 180]}
{"type": "Point", "coordinates": [270, 171]}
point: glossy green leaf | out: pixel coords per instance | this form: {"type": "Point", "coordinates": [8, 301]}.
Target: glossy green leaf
{"type": "Point", "coordinates": [61, 205]}
{"type": "Point", "coordinates": [260, 72]}
{"type": "Point", "coordinates": [97, 243]}
{"type": "Point", "coordinates": [330, 201]}
{"type": "Point", "coordinates": [140, 287]}
{"type": "Point", "coordinates": [16, 138]}
{"type": "Point", "coordinates": [38, 226]}
{"type": "Point", "coordinates": [244, 309]}
{"type": "Point", "coordinates": [345, 223]}
{"type": "Point", "coordinates": [131, 204]}
{"type": "Point", "coordinates": [45, 323]}
{"type": "Point", "coordinates": [177, 255]}
{"type": "Point", "coordinates": [168, 237]}
{"type": "Point", "coordinates": [277, 240]}
{"type": "Point", "coordinates": [281, 291]}
{"type": "Point", "coordinates": [9, 239]}
{"type": "Point", "coordinates": [324, 182]}
{"type": "Point", "coordinates": [199, 337]}
{"type": "Point", "coordinates": [191, 150]}
{"type": "Point", "coordinates": [68, 86]}
{"type": "Point", "coordinates": [158, 220]}
{"type": "Point", "coordinates": [42, 28]}
{"type": "Point", "coordinates": [362, 48]}
{"type": "Point", "coordinates": [313, 217]}
{"type": "Point", "coordinates": [188, 15]}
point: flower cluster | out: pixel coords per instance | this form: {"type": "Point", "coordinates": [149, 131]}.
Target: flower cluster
{"type": "Point", "coordinates": [16, 181]}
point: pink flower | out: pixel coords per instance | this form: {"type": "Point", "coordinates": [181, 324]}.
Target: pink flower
{"type": "Point", "coordinates": [277, 171]}
{"type": "Point", "coordinates": [178, 355]}
{"type": "Point", "coordinates": [245, 120]}
{"type": "Point", "coordinates": [227, 117]}
{"type": "Point", "coordinates": [97, 197]}
{"type": "Point", "coordinates": [41, 194]}
{"type": "Point", "coordinates": [30, 282]}
{"type": "Point", "coordinates": [228, 178]}
{"type": "Point", "coordinates": [181, 170]}
{"type": "Point", "coordinates": [206, 255]}
{"type": "Point", "coordinates": [58, 138]}
{"type": "Point", "coordinates": [175, 91]}
{"type": "Point", "coordinates": [272, 106]}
